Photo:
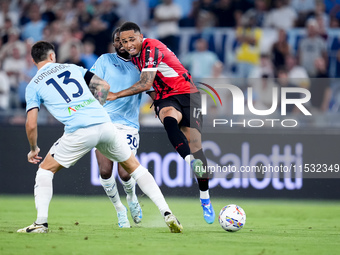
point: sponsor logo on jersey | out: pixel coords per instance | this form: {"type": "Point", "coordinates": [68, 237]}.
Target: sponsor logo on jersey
{"type": "Point", "coordinates": [151, 61]}
{"type": "Point", "coordinates": [79, 106]}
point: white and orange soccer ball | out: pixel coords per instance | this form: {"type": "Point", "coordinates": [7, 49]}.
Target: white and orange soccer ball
{"type": "Point", "coordinates": [232, 218]}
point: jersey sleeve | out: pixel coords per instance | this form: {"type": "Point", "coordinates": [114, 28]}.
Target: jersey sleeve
{"type": "Point", "coordinates": [152, 57]}
{"type": "Point", "coordinates": [32, 98]}
{"type": "Point", "coordinates": [97, 68]}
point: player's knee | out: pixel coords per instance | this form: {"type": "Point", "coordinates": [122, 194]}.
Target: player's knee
{"type": "Point", "coordinates": [130, 164]}
{"type": "Point", "coordinates": [105, 176]}
{"type": "Point", "coordinates": [170, 112]}
{"type": "Point", "coordinates": [125, 178]}
{"type": "Point", "coordinates": [105, 173]}
{"type": "Point", "coordinates": [123, 174]}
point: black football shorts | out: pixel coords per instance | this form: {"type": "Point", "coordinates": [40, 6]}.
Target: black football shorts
{"type": "Point", "coordinates": [188, 104]}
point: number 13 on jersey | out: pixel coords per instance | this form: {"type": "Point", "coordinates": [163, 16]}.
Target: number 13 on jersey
{"type": "Point", "coordinates": [66, 81]}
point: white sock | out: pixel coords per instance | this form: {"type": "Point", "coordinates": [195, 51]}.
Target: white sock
{"type": "Point", "coordinates": [43, 192]}
{"type": "Point", "coordinates": [148, 185]}
{"type": "Point", "coordinates": [189, 158]}
{"type": "Point", "coordinates": [204, 194]}
{"type": "Point", "coordinates": [130, 189]}
{"type": "Point", "coordinates": [111, 190]}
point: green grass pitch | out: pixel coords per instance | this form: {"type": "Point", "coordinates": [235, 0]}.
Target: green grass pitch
{"type": "Point", "coordinates": [88, 225]}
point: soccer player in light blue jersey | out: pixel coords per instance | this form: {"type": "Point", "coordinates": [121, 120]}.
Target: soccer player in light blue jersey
{"type": "Point", "coordinates": [65, 90]}
{"type": "Point", "coordinates": [120, 73]}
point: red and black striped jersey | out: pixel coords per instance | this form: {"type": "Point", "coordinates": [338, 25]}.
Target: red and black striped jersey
{"type": "Point", "coordinates": [171, 77]}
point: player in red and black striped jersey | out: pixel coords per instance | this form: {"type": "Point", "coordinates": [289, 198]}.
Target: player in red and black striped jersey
{"type": "Point", "coordinates": [171, 77]}
{"type": "Point", "coordinates": [176, 99]}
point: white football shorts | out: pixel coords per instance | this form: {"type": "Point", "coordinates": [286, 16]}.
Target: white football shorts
{"type": "Point", "coordinates": [131, 135]}
{"type": "Point", "coordinates": [105, 137]}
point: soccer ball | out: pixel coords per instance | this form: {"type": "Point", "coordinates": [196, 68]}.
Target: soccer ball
{"type": "Point", "coordinates": [232, 218]}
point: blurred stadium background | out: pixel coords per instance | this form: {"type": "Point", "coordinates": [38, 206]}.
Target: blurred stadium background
{"type": "Point", "coordinates": [249, 43]}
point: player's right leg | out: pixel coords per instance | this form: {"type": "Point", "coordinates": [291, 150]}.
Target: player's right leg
{"type": "Point", "coordinates": [148, 185]}
{"type": "Point", "coordinates": [170, 117]}
{"type": "Point", "coordinates": [43, 193]}
{"type": "Point", "coordinates": [63, 153]}
{"type": "Point", "coordinates": [115, 148]}
{"type": "Point", "coordinates": [129, 185]}
{"type": "Point", "coordinates": [109, 184]}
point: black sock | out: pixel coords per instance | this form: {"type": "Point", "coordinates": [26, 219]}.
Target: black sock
{"type": "Point", "coordinates": [176, 137]}
{"type": "Point", "coordinates": [200, 155]}
{"type": "Point", "coordinates": [203, 183]}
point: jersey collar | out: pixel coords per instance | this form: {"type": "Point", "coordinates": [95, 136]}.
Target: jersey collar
{"type": "Point", "coordinates": [45, 66]}
{"type": "Point", "coordinates": [124, 59]}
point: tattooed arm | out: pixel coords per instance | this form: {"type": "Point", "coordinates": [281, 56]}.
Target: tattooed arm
{"type": "Point", "coordinates": [99, 88]}
{"type": "Point", "coordinates": [144, 84]}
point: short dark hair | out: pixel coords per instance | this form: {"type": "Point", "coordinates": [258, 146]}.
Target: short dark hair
{"type": "Point", "coordinates": [40, 50]}
{"type": "Point", "coordinates": [129, 26]}
{"type": "Point", "coordinates": [115, 32]}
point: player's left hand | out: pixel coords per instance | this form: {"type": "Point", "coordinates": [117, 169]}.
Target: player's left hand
{"type": "Point", "coordinates": [111, 96]}
{"type": "Point", "coordinates": [33, 157]}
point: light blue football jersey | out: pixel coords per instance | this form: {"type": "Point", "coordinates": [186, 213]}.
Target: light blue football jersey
{"type": "Point", "coordinates": [64, 92]}
{"type": "Point", "coordinates": [120, 74]}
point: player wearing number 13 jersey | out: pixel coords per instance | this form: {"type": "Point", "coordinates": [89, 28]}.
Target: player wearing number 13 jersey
{"type": "Point", "coordinates": [45, 88]}
{"type": "Point", "coordinates": [176, 99]}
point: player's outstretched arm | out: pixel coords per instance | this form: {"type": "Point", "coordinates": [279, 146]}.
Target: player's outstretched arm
{"type": "Point", "coordinates": [32, 136]}
{"type": "Point", "coordinates": [99, 89]}
{"type": "Point", "coordinates": [145, 82]}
